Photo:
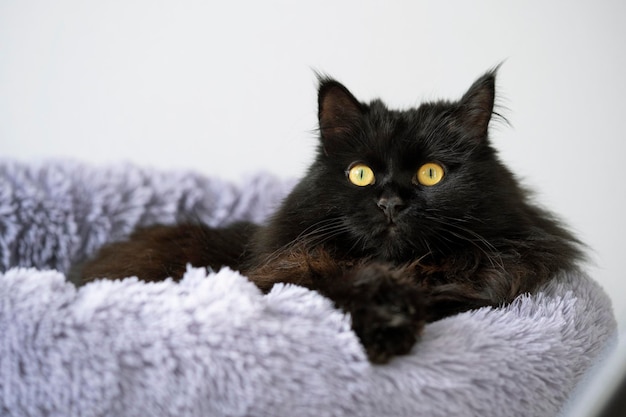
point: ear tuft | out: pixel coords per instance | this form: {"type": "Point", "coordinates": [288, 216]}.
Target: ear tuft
{"type": "Point", "coordinates": [339, 112]}
{"type": "Point", "coordinates": [476, 107]}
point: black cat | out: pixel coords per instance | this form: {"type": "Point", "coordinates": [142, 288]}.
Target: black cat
{"type": "Point", "coordinates": [403, 218]}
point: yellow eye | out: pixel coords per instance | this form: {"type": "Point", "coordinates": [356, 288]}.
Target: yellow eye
{"type": "Point", "coordinates": [430, 174]}
{"type": "Point", "coordinates": [361, 175]}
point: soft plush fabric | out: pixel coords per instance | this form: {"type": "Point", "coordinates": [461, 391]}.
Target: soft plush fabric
{"type": "Point", "coordinates": [213, 345]}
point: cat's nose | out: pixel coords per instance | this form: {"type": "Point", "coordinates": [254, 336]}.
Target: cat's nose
{"type": "Point", "coordinates": [391, 206]}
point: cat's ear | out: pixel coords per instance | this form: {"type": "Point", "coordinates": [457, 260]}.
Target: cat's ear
{"type": "Point", "coordinates": [476, 107]}
{"type": "Point", "coordinates": [339, 112]}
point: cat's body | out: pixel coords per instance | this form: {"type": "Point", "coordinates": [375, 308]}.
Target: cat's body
{"type": "Point", "coordinates": [404, 217]}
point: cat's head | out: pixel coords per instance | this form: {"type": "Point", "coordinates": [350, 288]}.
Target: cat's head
{"type": "Point", "coordinates": [401, 184]}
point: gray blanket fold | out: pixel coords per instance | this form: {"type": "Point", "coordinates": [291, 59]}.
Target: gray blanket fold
{"type": "Point", "coordinates": [213, 345]}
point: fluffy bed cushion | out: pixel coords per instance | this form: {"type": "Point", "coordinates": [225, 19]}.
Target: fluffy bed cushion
{"type": "Point", "coordinates": [213, 345]}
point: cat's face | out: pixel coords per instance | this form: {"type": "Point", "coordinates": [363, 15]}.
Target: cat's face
{"type": "Point", "coordinates": [408, 183]}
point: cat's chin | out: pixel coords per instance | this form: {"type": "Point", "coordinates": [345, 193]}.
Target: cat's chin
{"type": "Point", "coordinates": [390, 244]}
{"type": "Point", "coordinates": [391, 232]}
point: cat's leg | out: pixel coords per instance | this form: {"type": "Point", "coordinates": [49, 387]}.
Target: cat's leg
{"type": "Point", "coordinates": [385, 303]}
{"type": "Point", "coordinates": [157, 252]}
{"type": "Point", "coordinates": [459, 285]}
{"type": "Point", "coordinates": [387, 308]}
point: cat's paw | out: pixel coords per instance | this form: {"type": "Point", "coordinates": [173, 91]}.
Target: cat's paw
{"type": "Point", "coordinates": [389, 314]}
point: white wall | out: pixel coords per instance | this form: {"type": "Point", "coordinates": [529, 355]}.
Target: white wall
{"type": "Point", "coordinates": [228, 87]}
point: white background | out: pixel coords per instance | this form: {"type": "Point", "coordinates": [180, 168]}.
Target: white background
{"type": "Point", "coordinates": [228, 88]}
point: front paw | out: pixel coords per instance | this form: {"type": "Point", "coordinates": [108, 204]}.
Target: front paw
{"type": "Point", "coordinates": [387, 311]}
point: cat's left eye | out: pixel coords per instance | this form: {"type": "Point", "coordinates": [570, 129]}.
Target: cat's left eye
{"type": "Point", "coordinates": [361, 175]}
{"type": "Point", "coordinates": [429, 174]}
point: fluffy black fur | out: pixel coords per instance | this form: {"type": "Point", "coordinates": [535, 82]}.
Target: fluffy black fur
{"type": "Point", "coordinates": [396, 253]}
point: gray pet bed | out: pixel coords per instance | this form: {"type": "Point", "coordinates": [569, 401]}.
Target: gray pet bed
{"type": "Point", "coordinates": [213, 345]}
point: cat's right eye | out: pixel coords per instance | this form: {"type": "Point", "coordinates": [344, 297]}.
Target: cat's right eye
{"type": "Point", "coordinates": [361, 175]}
{"type": "Point", "coordinates": [429, 174]}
